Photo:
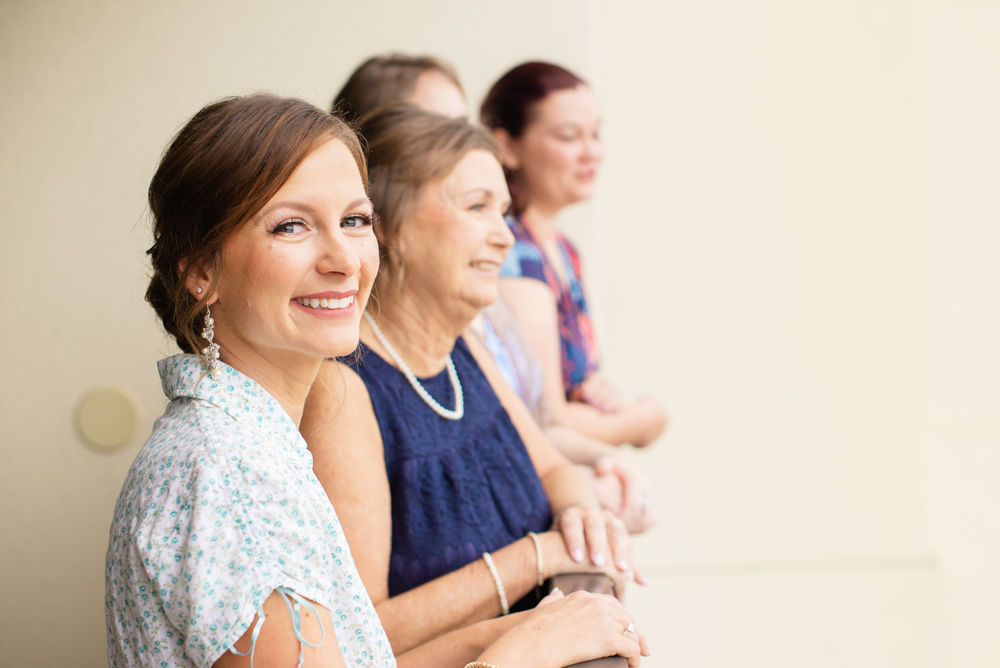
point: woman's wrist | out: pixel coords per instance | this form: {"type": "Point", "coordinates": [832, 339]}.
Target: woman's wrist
{"type": "Point", "coordinates": [555, 554]}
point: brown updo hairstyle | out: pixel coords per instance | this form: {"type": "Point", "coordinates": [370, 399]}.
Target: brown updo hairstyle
{"type": "Point", "coordinates": [385, 80]}
{"type": "Point", "coordinates": [218, 172]}
{"type": "Point", "coordinates": [407, 149]}
{"type": "Point", "coordinates": [510, 106]}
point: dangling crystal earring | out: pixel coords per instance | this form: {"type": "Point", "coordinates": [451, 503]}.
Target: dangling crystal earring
{"type": "Point", "coordinates": [211, 353]}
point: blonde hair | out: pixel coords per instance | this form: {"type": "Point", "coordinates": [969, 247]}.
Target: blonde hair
{"type": "Point", "coordinates": [407, 149]}
{"type": "Point", "coordinates": [384, 80]}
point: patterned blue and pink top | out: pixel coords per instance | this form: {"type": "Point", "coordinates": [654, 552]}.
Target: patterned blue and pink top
{"type": "Point", "coordinates": [576, 333]}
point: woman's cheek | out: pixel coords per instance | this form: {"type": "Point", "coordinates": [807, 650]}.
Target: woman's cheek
{"type": "Point", "coordinates": [369, 259]}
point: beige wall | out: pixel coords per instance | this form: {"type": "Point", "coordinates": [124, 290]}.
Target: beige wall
{"type": "Point", "coordinates": [794, 246]}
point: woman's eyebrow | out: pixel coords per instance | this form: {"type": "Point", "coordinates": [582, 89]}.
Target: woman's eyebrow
{"type": "Point", "coordinates": [286, 204]}
{"type": "Point", "coordinates": [306, 207]}
{"type": "Point", "coordinates": [358, 202]}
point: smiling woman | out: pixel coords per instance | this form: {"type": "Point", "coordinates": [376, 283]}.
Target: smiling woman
{"type": "Point", "coordinates": [455, 476]}
{"type": "Point", "coordinates": [547, 122]}
{"type": "Point", "coordinates": [258, 203]}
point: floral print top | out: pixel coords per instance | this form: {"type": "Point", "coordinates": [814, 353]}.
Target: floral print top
{"type": "Point", "coordinates": [221, 508]}
{"type": "Point", "coordinates": [576, 333]}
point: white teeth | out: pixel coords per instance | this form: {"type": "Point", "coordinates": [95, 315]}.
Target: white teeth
{"type": "Point", "coordinates": [329, 304]}
{"type": "Point", "coordinates": [485, 266]}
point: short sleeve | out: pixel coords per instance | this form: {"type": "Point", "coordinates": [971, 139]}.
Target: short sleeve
{"type": "Point", "coordinates": [524, 260]}
{"type": "Point", "coordinates": [224, 536]}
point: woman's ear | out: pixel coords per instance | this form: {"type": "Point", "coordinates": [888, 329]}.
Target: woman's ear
{"type": "Point", "coordinates": [198, 280]}
{"type": "Point", "coordinates": [509, 155]}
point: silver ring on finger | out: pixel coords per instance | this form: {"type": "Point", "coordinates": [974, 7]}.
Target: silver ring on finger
{"type": "Point", "coordinates": [629, 628]}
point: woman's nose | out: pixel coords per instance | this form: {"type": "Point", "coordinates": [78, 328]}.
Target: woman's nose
{"type": "Point", "coordinates": [500, 234]}
{"type": "Point", "coordinates": [593, 149]}
{"type": "Point", "coordinates": [338, 255]}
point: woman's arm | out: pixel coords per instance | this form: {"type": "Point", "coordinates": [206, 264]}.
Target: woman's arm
{"type": "Point", "coordinates": [277, 644]}
{"type": "Point", "coordinates": [617, 481]}
{"type": "Point", "coordinates": [343, 436]}
{"type": "Point", "coordinates": [340, 427]}
{"type": "Point", "coordinates": [638, 423]}
{"type": "Point", "coordinates": [586, 527]}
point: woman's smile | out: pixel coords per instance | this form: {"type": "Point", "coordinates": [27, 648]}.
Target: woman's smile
{"type": "Point", "coordinates": [329, 304]}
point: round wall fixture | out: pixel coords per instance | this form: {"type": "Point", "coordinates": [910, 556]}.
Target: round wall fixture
{"type": "Point", "coordinates": [107, 417]}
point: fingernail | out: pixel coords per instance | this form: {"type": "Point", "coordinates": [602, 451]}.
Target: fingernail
{"type": "Point", "coordinates": [577, 555]}
{"type": "Point", "coordinates": [622, 565]}
{"type": "Point", "coordinates": [554, 590]}
{"type": "Point", "coordinates": [598, 559]}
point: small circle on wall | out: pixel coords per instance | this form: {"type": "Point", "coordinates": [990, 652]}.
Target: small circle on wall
{"type": "Point", "coordinates": [107, 417]}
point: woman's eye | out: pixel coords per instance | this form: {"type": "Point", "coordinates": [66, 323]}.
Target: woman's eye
{"type": "Point", "coordinates": [477, 207]}
{"type": "Point", "coordinates": [357, 221]}
{"type": "Point", "coordinates": [289, 227]}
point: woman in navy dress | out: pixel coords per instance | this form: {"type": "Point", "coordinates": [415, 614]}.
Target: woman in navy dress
{"type": "Point", "coordinates": [428, 455]}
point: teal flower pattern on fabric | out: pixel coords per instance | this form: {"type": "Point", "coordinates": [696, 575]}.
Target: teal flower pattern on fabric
{"type": "Point", "coordinates": [219, 509]}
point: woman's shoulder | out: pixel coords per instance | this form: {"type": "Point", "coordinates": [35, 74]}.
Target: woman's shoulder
{"type": "Point", "coordinates": [524, 260]}
{"type": "Point", "coordinates": [212, 520]}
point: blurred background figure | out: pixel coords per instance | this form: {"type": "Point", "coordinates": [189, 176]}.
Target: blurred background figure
{"type": "Point", "coordinates": [547, 123]}
{"type": "Point", "coordinates": [423, 81]}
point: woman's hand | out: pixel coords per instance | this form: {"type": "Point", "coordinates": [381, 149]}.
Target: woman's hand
{"type": "Point", "coordinates": [624, 490]}
{"type": "Point", "coordinates": [589, 539]}
{"type": "Point", "coordinates": [598, 391]}
{"type": "Point", "coordinates": [564, 630]}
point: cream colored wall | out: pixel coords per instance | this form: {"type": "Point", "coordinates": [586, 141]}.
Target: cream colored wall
{"type": "Point", "coordinates": [792, 247]}
{"type": "Point", "coordinates": [798, 233]}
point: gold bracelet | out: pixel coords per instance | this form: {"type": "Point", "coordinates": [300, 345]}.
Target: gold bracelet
{"type": "Point", "coordinates": [538, 556]}
{"type": "Point", "coordinates": [479, 664]}
{"type": "Point", "coordinates": [496, 578]}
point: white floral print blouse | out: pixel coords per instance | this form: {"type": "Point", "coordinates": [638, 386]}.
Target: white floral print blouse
{"type": "Point", "coordinates": [221, 508]}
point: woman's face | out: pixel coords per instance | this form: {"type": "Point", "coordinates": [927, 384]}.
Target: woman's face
{"type": "Point", "coordinates": [559, 151]}
{"type": "Point", "coordinates": [436, 93]}
{"type": "Point", "coordinates": [455, 239]}
{"type": "Point", "coordinates": [295, 279]}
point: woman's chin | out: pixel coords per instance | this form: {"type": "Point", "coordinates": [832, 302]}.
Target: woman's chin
{"type": "Point", "coordinates": [483, 298]}
{"type": "Point", "coordinates": [337, 347]}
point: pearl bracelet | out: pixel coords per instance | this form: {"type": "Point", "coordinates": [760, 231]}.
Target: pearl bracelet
{"type": "Point", "coordinates": [538, 556]}
{"type": "Point", "coordinates": [496, 578]}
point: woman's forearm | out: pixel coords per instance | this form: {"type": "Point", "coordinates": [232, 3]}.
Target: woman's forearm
{"type": "Point", "coordinates": [637, 423]}
{"type": "Point", "coordinates": [457, 599]}
{"type": "Point", "coordinates": [578, 448]}
{"type": "Point", "coordinates": [565, 487]}
{"type": "Point", "coordinates": [459, 647]}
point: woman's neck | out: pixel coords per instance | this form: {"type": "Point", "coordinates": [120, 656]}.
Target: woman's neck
{"type": "Point", "coordinates": [541, 222]}
{"type": "Point", "coordinates": [286, 377]}
{"type": "Point", "coordinates": [420, 330]}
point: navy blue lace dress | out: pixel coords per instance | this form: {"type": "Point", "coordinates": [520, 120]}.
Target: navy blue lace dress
{"type": "Point", "coordinates": [459, 487]}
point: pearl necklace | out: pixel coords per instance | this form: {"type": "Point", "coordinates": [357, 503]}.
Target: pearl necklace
{"type": "Point", "coordinates": [456, 385]}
